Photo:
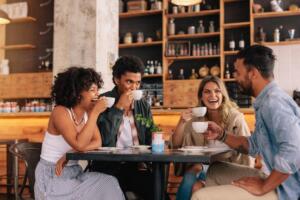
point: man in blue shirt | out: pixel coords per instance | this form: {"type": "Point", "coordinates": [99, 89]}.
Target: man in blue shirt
{"type": "Point", "coordinates": [276, 138]}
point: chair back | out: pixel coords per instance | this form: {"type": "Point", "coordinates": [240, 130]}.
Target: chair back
{"type": "Point", "coordinates": [29, 152]}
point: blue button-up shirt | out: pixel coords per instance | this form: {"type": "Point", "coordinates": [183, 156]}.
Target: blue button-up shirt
{"type": "Point", "coordinates": [277, 137]}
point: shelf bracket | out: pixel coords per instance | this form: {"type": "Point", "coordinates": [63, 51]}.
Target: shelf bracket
{"type": "Point", "coordinates": [45, 3]}
{"type": "Point", "coordinates": [49, 52]}
{"type": "Point", "coordinates": [49, 25]}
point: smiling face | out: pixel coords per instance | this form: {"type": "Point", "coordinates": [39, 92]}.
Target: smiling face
{"type": "Point", "coordinates": [128, 82]}
{"type": "Point", "coordinates": [87, 96]}
{"type": "Point", "coordinates": [212, 96]}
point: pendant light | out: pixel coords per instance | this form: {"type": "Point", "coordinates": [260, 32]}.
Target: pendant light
{"type": "Point", "coordinates": [4, 19]}
{"type": "Point", "coordinates": [185, 2]}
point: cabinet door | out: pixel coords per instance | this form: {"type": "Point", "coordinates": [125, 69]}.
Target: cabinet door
{"type": "Point", "coordinates": [181, 93]}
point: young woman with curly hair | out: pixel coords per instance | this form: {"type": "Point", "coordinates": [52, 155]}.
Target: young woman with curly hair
{"type": "Point", "coordinates": [72, 125]}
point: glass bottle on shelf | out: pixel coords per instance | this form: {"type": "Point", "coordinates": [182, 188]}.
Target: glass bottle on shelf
{"type": "Point", "coordinates": [170, 75]}
{"type": "Point", "coordinates": [181, 75]}
{"type": "Point", "coordinates": [146, 71]}
{"type": "Point", "coordinates": [151, 68]}
{"type": "Point", "coordinates": [227, 72]}
{"type": "Point", "coordinates": [260, 35]}
{"type": "Point", "coordinates": [171, 27]}
{"type": "Point", "coordinates": [211, 27]}
{"type": "Point", "coordinates": [159, 68]}
{"type": "Point", "coordinates": [193, 75]}
{"type": "Point", "coordinates": [200, 28]}
{"type": "Point", "coordinates": [276, 35]}
{"type": "Point", "coordinates": [231, 44]}
{"type": "Point", "coordinates": [242, 42]}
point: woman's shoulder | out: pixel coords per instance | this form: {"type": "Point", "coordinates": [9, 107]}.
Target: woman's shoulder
{"type": "Point", "coordinates": [234, 113]}
{"type": "Point", "coordinates": [59, 111]}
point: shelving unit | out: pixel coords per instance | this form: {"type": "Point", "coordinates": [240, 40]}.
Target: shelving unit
{"type": "Point", "coordinates": [23, 20]}
{"type": "Point", "coordinates": [231, 17]}
{"type": "Point", "coordinates": [194, 14]}
{"type": "Point", "coordinates": [141, 44]}
{"type": "Point", "coordinates": [236, 25]}
{"type": "Point", "coordinates": [25, 80]}
{"type": "Point", "coordinates": [139, 13]}
{"type": "Point", "coordinates": [275, 14]}
{"type": "Point", "coordinates": [196, 35]}
{"type": "Point", "coordinates": [18, 47]}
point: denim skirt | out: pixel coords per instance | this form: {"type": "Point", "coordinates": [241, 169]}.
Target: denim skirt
{"type": "Point", "coordinates": [73, 184]}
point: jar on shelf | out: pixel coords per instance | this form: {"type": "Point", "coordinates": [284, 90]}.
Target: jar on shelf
{"type": "Point", "coordinates": [171, 27]}
{"type": "Point", "coordinates": [5, 67]}
{"type": "Point", "coordinates": [211, 27]}
{"type": "Point", "coordinates": [140, 37]}
{"type": "Point", "coordinates": [128, 38]}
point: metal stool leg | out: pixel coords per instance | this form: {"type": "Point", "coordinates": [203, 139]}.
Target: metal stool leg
{"type": "Point", "coordinates": [16, 177]}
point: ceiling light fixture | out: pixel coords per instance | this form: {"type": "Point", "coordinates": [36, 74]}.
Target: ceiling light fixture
{"type": "Point", "coordinates": [4, 19]}
{"type": "Point", "coordinates": [185, 2]}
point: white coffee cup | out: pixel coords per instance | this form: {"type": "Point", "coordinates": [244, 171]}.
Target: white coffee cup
{"type": "Point", "coordinates": [199, 111]}
{"type": "Point", "coordinates": [110, 101]}
{"type": "Point", "coordinates": [199, 127]}
{"type": "Point", "coordinates": [137, 94]}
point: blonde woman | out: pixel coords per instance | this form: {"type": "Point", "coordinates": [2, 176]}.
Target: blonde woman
{"type": "Point", "coordinates": [213, 95]}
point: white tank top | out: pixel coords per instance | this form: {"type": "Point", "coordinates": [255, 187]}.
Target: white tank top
{"type": "Point", "coordinates": [55, 146]}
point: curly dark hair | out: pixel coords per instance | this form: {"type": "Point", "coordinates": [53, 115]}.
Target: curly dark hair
{"type": "Point", "coordinates": [69, 84]}
{"type": "Point", "coordinates": [127, 64]}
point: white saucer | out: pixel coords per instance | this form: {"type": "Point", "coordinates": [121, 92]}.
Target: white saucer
{"type": "Point", "coordinates": [141, 147]}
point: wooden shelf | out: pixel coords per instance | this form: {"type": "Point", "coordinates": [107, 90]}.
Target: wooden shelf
{"type": "Point", "coordinates": [139, 13]}
{"type": "Point", "coordinates": [23, 20]}
{"type": "Point", "coordinates": [236, 25]}
{"type": "Point", "coordinates": [25, 114]}
{"type": "Point", "coordinates": [192, 57]}
{"type": "Point", "coordinates": [153, 76]}
{"type": "Point", "coordinates": [185, 80]}
{"type": "Point", "coordinates": [275, 14]}
{"type": "Point", "coordinates": [17, 47]}
{"type": "Point", "coordinates": [289, 42]}
{"type": "Point", "coordinates": [229, 79]}
{"type": "Point", "coordinates": [232, 1]}
{"type": "Point", "coordinates": [197, 35]}
{"type": "Point", "coordinates": [140, 44]}
{"type": "Point", "coordinates": [230, 53]}
{"type": "Point", "coordinates": [194, 14]}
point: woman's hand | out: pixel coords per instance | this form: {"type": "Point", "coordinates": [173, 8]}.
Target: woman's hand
{"type": "Point", "coordinates": [60, 165]}
{"type": "Point", "coordinates": [100, 105]}
{"type": "Point", "coordinates": [186, 115]}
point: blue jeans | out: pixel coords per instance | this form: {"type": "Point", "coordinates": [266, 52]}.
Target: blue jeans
{"type": "Point", "coordinates": [189, 179]}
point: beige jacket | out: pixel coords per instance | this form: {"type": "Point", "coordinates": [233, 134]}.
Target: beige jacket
{"type": "Point", "coordinates": [235, 123]}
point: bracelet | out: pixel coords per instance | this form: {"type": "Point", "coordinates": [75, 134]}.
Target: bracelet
{"type": "Point", "coordinates": [223, 137]}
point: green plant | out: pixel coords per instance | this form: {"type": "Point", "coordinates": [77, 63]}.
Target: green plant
{"type": "Point", "coordinates": [148, 122]}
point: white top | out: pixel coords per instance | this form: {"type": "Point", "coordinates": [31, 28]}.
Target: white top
{"type": "Point", "coordinates": [125, 138]}
{"type": "Point", "coordinates": [55, 146]}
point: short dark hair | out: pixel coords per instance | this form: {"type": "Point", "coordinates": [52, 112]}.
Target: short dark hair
{"type": "Point", "coordinates": [127, 64]}
{"type": "Point", "coordinates": [69, 84]}
{"type": "Point", "coordinates": [260, 57]}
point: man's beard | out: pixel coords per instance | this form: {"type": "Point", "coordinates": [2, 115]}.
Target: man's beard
{"type": "Point", "coordinates": [246, 88]}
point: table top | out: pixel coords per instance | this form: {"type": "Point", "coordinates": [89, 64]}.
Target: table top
{"type": "Point", "coordinates": [133, 155]}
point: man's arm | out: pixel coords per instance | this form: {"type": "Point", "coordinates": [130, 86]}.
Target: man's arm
{"type": "Point", "coordinates": [258, 186]}
{"type": "Point", "coordinates": [239, 143]}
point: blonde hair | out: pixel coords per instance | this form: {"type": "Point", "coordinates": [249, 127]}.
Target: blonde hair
{"type": "Point", "coordinates": [226, 105]}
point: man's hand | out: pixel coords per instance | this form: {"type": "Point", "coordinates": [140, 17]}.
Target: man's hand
{"type": "Point", "coordinates": [254, 185]}
{"type": "Point", "coordinates": [125, 101]}
{"type": "Point", "coordinates": [214, 131]}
